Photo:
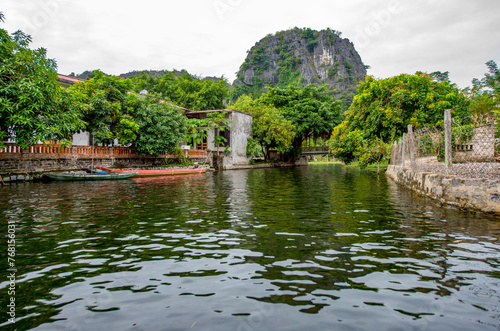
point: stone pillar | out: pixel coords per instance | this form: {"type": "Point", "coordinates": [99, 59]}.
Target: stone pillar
{"type": "Point", "coordinates": [393, 153]}
{"type": "Point", "coordinates": [411, 147]}
{"type": "Point", "coordinates": [403, 147]}
{"type": "Point", "coordinates": [447, 141]}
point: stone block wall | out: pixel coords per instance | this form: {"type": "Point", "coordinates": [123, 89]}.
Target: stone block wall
{"type": "Point", "coordinates": [478, 194]}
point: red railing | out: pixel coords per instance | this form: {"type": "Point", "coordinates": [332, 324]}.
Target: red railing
{"type": "Point", "coordinates": [55, 151]}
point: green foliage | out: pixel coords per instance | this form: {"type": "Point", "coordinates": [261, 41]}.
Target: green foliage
{"type": "Point", "coordinates": [197, 131]}
{"type": "Point", "coordinates": [332, 72]}
{"type": "Point", "coordinates": [313, 111]}
{"type": "Point", "coordinates": [374, 151]}
{"type": "Point", "coordinates": [311, 44]}
{"type": "Point", "coordinates": [33, 106]}
{"type": "Point", "coordinates": [269, 127]}
{"type": "Point", "coordinates": [347, 144]}
{"type": "Point", "coordinates": [311, 38]}
{"type": "Point", "coordinates": [161, 126]}
{"type": "Point", "coordinates": [441, 76]}
{"type": "Point", "coordinates": [108, 107]}
{"type": "Point", "coordinates": [384, 108]}
{"type": "Point", "coordinates": [348, 66]}
{"type": "Point", "coordinates": [254, 149]}
{"type": "Point", "coordinates": [461, 134]}
{"type": "Point", "coordinates": [185, 90]}
{"type": "Point", "coordinates": [127, 130]}
{"type": "Point", "coordinates": [490, 83]}
{"type": "Point", "coordinates": [484, 96]}
{"type": "Point", "coordinates": [429, 141]}
{"type": "Point", "coordinates": [220, 123]}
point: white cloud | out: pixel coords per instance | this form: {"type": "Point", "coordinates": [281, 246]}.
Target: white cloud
{"type": "Point", "coordinates": [211, 37]}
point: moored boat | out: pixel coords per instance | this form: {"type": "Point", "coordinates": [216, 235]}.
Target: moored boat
{"type": "Point", "coordinates": [89, 176]}
{"type": "Point", "coordinates": [156, 172]}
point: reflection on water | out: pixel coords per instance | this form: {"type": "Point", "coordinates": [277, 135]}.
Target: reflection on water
{"type": "Point", "coordinates": [321, 247]}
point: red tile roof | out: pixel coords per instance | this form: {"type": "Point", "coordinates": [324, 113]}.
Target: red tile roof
{"type": "Point", "coordinates": [69, 79]}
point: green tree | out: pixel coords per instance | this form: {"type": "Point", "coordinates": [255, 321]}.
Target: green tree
{"type": "Point", "coordinates": [197, 131]}
{"type": "Point", "coordinates": [108, 107]}
{"type": "Point", "coordinates": [374, 151]}
{"type": "Point", "coordinates": [384, 108]}
{"type": "Point", "coordinates": [161, 126]}
{"type": "Point", "coordinates": [220, 123]}
{"type": "Point", "coordinates": [313, 111]}
{"type": "Point", "coordinates": [33, 106]}
{"type": "Point", "coordinates": [484, 96]}
{"type": "Point", "coordinates": [491, 80]}
{"type": "Point", "coordinates": [185, 90]}
{"type": "Point", "coordinates": [269, 127]}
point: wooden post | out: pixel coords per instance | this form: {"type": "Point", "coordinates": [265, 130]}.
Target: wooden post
{"type": "Point", "coordinates": [411, 147]}
{"type": "Point", "coordinates": [447, 141]}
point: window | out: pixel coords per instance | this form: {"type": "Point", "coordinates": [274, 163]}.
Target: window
{"type": "Point", "coordinates": [227, 135]}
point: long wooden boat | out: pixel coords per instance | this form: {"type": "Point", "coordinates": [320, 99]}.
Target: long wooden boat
{"type": "Point", "coordinates": [157, 172]}
{"type": "Point", "coordinates": [89, 176]}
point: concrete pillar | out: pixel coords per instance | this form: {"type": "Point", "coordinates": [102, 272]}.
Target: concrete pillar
{"type": "Point", "coordinates": [403, 147]}
{"type": "Point", "coordinates": [411, 147]}
{"type": "Point", "coordinates": [447, 141]}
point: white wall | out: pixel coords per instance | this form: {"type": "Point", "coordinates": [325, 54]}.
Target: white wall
{"type": "Point", "coordinates": [81, 138]}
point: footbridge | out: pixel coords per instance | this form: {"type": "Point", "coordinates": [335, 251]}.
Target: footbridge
{"type": "Point", "coordinates": [315, 150]}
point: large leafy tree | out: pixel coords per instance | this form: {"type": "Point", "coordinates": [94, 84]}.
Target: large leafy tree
{"type": "Point", "coordinates": [486, 91]}
{"type": "Point", "coordinates": [313, 110]}
{"type": "Point", "coordinates": [269, 127]}
{"type": "Point", "coordinates": [383, 108]}
{"type": "Point", "coordinates": [108, 108]}
{"type": "Point", "coordinates": [161, 126]}
{"type": "Point", "coordinates": [186, 90]}
{"type": "Point", "coordinates": [485, 107]}
{"type": "Point", "coordinates": [33, 106]}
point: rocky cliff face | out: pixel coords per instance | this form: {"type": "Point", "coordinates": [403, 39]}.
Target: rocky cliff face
{"type": "Point", "coordinates": [302, 56]}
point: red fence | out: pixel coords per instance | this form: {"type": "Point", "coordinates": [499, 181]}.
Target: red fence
{"type": "Point", "coordinates": [54, 151]}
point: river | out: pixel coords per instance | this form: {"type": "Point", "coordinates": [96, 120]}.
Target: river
{"type": "Point", "coordinates": [319, 248]}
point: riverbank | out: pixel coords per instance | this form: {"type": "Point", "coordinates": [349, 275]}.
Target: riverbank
{"type": "Point", "coordinates": [474, 194]}
{"type": "Point", "coordinates": [35, 174]}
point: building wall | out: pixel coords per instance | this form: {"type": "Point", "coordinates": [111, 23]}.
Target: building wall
{"type": "Point", "coordinates": [241, 130]}
{"type": "Point", "coordinates": [81, 138]}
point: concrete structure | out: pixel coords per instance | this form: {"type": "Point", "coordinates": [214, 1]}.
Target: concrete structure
{"type": "Point", "coordinates": [237, 136]}
{"type": "Point", "coordinates": [479, 194]}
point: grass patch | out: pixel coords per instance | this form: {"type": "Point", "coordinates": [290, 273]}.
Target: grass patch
{"type": "Point", "coordinates": [325, 162]}
{"type": "Point", "coordinates": [383, 165]}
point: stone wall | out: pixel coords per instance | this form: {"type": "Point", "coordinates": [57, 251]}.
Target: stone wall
{"type": "Point", "coordinates": [472, 194]}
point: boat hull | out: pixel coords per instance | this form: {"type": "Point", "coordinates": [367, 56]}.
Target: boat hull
{"type": "Point", "coordinates": [92, 176]}
{"type": "Point", "coordinates": [157, 173]}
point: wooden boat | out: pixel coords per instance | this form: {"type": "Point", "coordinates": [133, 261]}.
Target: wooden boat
{"type": "Point", "coordinates": [156, 172]}
{"type": "Point", "coordinates": [89, 176]}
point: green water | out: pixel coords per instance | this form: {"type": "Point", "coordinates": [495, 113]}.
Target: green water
{"type": "Point", "coordinates": [317, 248]}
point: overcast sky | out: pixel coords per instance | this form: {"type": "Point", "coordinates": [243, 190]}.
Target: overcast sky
{"type": "Point", "coordinates": [212, 37]}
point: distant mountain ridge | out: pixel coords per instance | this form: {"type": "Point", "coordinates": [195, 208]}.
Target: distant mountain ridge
{"type": "Point", "coordinates": [135, 73]}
